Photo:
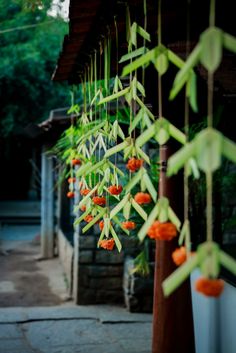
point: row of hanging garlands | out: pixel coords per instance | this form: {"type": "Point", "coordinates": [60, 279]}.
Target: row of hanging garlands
{"type": "Point", "coordinates": [95, 141]}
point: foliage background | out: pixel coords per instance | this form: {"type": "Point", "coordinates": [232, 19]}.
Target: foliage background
{"type": "Point", "coordinates": [28, 58]}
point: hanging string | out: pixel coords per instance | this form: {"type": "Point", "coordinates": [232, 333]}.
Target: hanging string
{"type": "Point", "coordinates": [100, 76]}
{"type": "Point", "coordinates": [212, 13]}
{"type": "Point", "coordinates": [128, 39]}
{"type": "Point", "coordinates": [107, 53]}
{"type": "Point", "coordinates": [100, 108]}
{"type": "Point", "coordinates": [144, 45]}
{"type": "Point", "coordinates": [93, 92]}
{"type": "Point", "coordinates": [159, 76]}
{"type": "Point", "coordinates": [71, 137]}
{"type": "Point", "coordinates": [84, 92]}
{"type": "Point", "coordinates": [91, 87]}
{"type": "Point", "coordinates": [209, 176]}
{"type": "Point", "coordinates": [128, 33]}
{"type": "Point", "coordinates": [117, 68]}
{"type": "Point", "coordinates": [95, 82]}
{"type": "Point", "coordinates": [108, 65]}
{"type": "Point", "coordinates": [186, 131]}
{"type": "Point", "coordinates": [144, 40]}
{"type": "Point", "coordinates": [95, 72]}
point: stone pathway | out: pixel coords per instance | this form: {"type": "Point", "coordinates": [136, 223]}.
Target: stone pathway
{"type": "Point", "coordinates": [30, 324]}
{"type": "Point", "coordinates": [74, 329]}
{"type": "Point", "coordinates": [25, 281]}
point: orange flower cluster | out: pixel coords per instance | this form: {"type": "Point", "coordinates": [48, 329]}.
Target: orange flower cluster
{"type": "Point", "coordinates": [209, 287]}
{"type": "Point", "coordinates": [84, 192]}
{"type": "Point", "coordinates": [83, 208]}
{"type": "Point", "coordinates": [71, 180]}
{"type": "Point", "coordinates": [107, 244]}
{"type": "Point", "coordinates": [142, 198]}
{"type": "Point", "coordinates": [70, 194]}
{"type": "Point", "coordinates": [134, 164]}
{"type": "Point", "coordinates": [115, 190]}
{"type": "Point", "coordinates": [99, 200]}
{"type": "Point", "coordinates": [76, 161]}
{"type": "Point", "coordinates": [179, 256]}
{"type": "Point", "coordinates": [88, 218]}
{"type": "Point", "coordinates": [101, 225]}
{"type": "Point", "coordinates": [162, 231]}
{"type": "Point", "coordinates": [129, 225]}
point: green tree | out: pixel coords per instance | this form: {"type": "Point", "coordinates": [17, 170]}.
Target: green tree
{"type": "Point", "coordinates": [30, 42]}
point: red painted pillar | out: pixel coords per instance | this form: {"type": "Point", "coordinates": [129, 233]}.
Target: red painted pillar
{"type": "Point", "coordinates": [172, 316]}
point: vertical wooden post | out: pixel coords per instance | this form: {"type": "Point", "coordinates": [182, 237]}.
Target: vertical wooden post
{"type": "Point", "coordinates": [172, 316]}
{"type": "Point", "coordinates": [47, 206]}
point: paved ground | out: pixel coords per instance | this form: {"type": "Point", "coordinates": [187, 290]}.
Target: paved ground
{"type": "Point", "coordinates": [28, 324]}
{"type": "Point", "coordinates": [74, 329]}
{"type": "Point", "coordinates": [25, 281]}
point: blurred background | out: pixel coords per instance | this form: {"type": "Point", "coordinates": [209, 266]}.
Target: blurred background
{"type": "Point", "coordinates": [30, 42]}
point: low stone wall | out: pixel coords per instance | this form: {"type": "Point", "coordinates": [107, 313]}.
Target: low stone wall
{"type": "Point", "coordinates": [66, 254]}
{"type": "Point", "coordinates": [100, 271]}
{"type": "Point", "coordinates": [138, 290]}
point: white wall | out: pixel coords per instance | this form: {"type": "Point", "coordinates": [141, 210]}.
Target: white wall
{"type": "Point", "coordinates": [214, 320]}
{"type": "Point", "coordinates": [228, 319]}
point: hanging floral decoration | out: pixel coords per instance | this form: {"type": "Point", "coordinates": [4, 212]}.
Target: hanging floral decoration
{"type": "Point", "coordinates": [104, 196]}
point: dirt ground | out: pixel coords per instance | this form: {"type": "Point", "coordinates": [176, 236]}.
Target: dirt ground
{"type": "Point", "coordinates": [26, 281]}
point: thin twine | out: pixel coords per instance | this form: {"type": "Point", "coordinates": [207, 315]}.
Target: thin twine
{"type": "Point", "coordinates": [144, 45]}
{"type": "Point", "coordinates": [117, 60]}
{"type": "Point", "coordinates": [130, 75]}
{"type": "Point", "coordinates": [106, 53]}
{"type": "Point", "coordinates": [159, 34]}
{"type": "Point", "coordinates": [144, 40]}
{"type": "Point", "coordinates": [93, 69]}
{"type": "Point", "coordinates": [100, 108]}
{"type": "Point", "coordinates": [209, 176]}
{"type": "Point", "coordinates": [72, 134]}
{"type": "Point", "coordinates": [186, 130]}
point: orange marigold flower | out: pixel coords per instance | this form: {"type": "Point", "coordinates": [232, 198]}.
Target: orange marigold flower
{"type": "Point", "coordinates": [70, 194]}
{"type": "Point", "coordinates": [84, 192]}
{"type": "Point", "coordinates": [88, 218]}
{"type": "Point", "coordinates": [134, 164]}
{"type": "Point", "coordinates": [107, 244]}
{"type": "Point", "coordinates": [76, 161]}
{"type": "Point", "coordinates": [128, 225]}
{"type": "Point", "coordinates": [99, 200]}
{"type": "Point", "coordinates": [162, 231]}
{"type": "Point", "coordinates": [83, 208]}
{"type": "Point", "coordinates": [71, 180]}
{"type": "Point", "coordinates": [179, 256]}
{"type": "Point", "coordinates": [142, 198]}
{"type": "Point", "coordinates": [115, 190]}
{"type": "Point", "coordinates": [101, 225]}
{"type": "Point", "coordinates": [209, 287]}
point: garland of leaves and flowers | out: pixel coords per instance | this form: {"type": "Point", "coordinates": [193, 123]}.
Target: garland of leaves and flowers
{"type": "Point", "coordinates": [94, 204]}
{"type": "Point", "coordinates": [203, 152]}
{"type": "Point", "coordinates": [99, 174]}
{"type": "Point", "coordinates": [207, 149]}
